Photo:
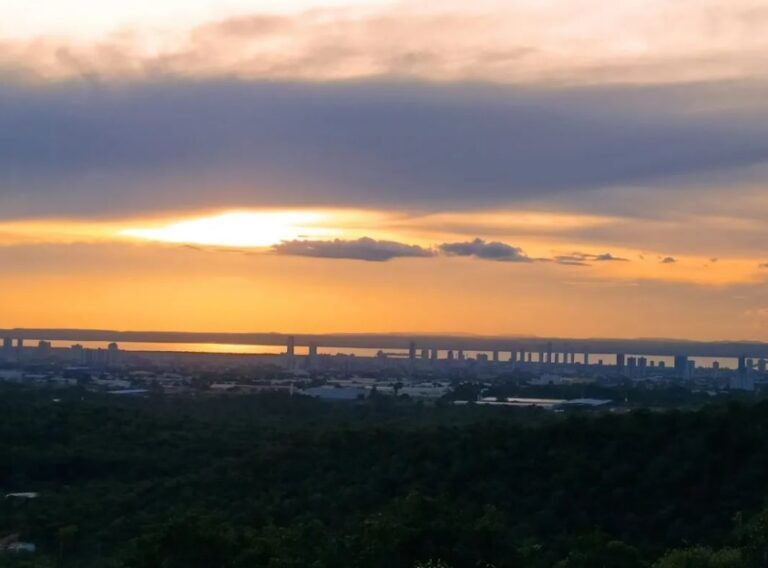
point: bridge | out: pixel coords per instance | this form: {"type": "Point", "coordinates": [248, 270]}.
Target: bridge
{"type": "Point", "coordinates": [549, 349]}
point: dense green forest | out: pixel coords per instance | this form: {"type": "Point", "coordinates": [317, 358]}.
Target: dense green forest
{"type": "Point", "coordinates": [277, 482]}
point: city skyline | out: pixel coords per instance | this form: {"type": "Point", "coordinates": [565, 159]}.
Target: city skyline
{"type": "Point", "coordinates": [559, 169]}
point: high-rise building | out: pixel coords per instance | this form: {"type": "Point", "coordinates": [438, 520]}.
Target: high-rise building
{"type": "Point", "coordinates": [113, 355]}
{"type": "Point", "coordinates": [7, 352]}
{"type": "Point", "coordinates": [312, 356]}
{"type": "Point", "coordinates": [77, 354]}
{"type": "Point", "coordinates": [290, 346]}
{"type": "Point", "coordinates": [43, 349]}
{"type": "Point", "coordinates": [642, 366]}
{"type": "Point", "coordinates": [742, 365]}
{"type": "Point", "coordinates": [620, 357]}
{"type": "Point", "coordinates": [681, 366]}
{"type": "Point", "coordinates": [632, 366]}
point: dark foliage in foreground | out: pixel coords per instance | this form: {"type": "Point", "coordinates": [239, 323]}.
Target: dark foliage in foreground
{"type": "Point", "coordinates": [278, 482]}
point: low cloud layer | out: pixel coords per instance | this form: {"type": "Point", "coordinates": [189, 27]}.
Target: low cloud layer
{"type": "Point", "coordinates": [373, 250]}
{"type": "Point", "coordinates": [368, 249]}
{"type": "Point", "coordinates": [361, 249]}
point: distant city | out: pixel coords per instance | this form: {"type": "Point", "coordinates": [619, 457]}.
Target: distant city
{"type": "Point", "coordinates": [423, 368]}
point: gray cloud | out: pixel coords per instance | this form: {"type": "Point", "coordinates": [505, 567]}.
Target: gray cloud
{"type": "Point", "coordinates": [361, 249]}
{"type": "Point", "coordinates": [78, 149]}
{"type": "Point", "coordinates": [763, 265]}
{"type": "Point", "coordinates": [668, 260]}
{"type": "Point", "coordinates": [583, 259]}
{"type": "Point", "coordinates": [486, 250]}
{"type": "Point", "coordinates": [569, 261]}
{"type": "Point", "coordinates": [607, 257]}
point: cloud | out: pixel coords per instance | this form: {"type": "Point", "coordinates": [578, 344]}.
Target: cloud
{"type": "Point", "coordinates": [763, 265]}
{"type": "Point", "coordinates": [77, 149]}
{"type": "Point", "coordinates": [608, 257]}
{"type": "Point", "coordinates": [479, 248]}
{"type": "Point", "coordinates": [570, 261]}
{"type": "Point", "coordinates": [668, 260]}
{"type": "Point", "coordinates": [361, 249]}
{"type": "Point", "coordinates": [583, 259]}
{"type": "Point", "coordinates": [518, 41]}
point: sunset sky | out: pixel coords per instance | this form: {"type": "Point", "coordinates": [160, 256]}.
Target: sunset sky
{"type": "Point", "coordinates": [550, 167]}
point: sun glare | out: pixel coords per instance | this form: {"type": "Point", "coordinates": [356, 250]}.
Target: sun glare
{"type": "Point", "coordinates": [240, 229]}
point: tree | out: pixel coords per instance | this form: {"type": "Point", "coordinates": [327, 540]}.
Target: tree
{"type": "Point", "coordinates": [702, 557]}
{"type": "Point", "coordinates": [597, 551]}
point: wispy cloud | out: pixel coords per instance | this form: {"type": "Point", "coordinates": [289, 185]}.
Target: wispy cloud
{"type": "Point", "coordinates": [587, 41]}
{"type": "Point", "coordinates": [583, 259]}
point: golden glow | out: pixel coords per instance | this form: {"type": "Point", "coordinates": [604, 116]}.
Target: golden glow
{"type": "Point", "coordinates": [240, 229]}
{"type": "Point", "coordinates": [511, 221]}
{"type": "Point", "coordinates": [54, 231]}
{"type": "Point", "coordinates": [685, 269]}
{"type": "Point", "coordinates": [162, 288]}
{"type": "Point", "coordinates": [541, 235]}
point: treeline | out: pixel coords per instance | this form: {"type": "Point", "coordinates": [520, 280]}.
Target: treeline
{"type": "Point", "coordinates": [278, 482]}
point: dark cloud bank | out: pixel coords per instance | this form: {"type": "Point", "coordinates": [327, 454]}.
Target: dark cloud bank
{"type": "Point", "coordinates": [80, 149]}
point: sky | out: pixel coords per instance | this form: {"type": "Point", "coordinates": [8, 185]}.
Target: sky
{"type": "Point", "coordinates": [570, 168]}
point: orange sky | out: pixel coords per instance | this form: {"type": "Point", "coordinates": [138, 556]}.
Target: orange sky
{"type": "Point", "coordinates": [558, 167]}
{"type": "Point", "coordinates": [90, 274]}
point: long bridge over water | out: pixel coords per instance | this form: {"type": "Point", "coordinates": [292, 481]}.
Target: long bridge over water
{"type": "Point", "coordinates": [517, 346]}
